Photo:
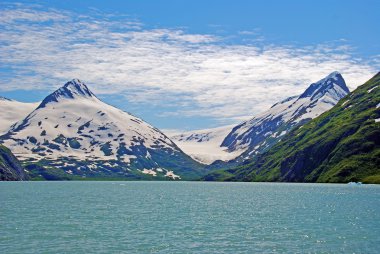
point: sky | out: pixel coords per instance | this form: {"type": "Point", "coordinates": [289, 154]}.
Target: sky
{"type": "Point", "coordinates": [185, 65]}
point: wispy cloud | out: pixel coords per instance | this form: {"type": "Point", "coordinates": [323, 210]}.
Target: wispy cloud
{"type": "Point", "coordinates": [199, 74]}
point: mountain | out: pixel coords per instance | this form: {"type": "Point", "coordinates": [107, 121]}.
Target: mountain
{"type": "Point", "coordinates": [205, 145]}
{"type": "Point", "coordinates": [10, 167]}
{"type": "Point", "coordinates": [261, 132]}
{"type": "Point", "coordinates": [229, 146]}
{"type": "Point", "coordinates": [73, 134]}
{"type": "Point", "coordinates": [341, 145]}
{"type": "Point", "coordinates": [13, 111]}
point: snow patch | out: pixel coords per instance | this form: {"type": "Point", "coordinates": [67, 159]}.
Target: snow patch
{"type": "Point", "coordinates": [149, 172]}
{"type": "Point", "coordinates": [170, 174]}
{"type": "Point", "coordinates": [370, 90]}
{"type": "Point", "coordinates": [344, 103]}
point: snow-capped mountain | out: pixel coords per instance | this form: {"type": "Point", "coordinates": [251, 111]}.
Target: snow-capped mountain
{"type": "Point", "coordinates": [262, 131]}
{"type": "Point", "coordinates": [205, 145]}
{"type": "Point", "coordinates": [74, 131]}
{"type": "Point", "coordinates": [12, 111]}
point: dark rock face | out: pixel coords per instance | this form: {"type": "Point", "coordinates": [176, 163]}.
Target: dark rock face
{"type": "Point", "coordinates": [10, 167]}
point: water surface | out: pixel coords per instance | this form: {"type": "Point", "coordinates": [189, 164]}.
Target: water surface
{"type": "Point", "coordinates": [188, 217]}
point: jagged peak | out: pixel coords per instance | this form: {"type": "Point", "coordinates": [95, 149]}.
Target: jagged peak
{"type": "Point", "coordinates": [323, 86]}
{"type": "Point", "coordinates": [76, 87]}
{"type": "Point", "coordinates": [4, 99]}
{"type": "Point", "coordinates": [334, 75]}
{"type": "Point", "coordinates": [71, 90]}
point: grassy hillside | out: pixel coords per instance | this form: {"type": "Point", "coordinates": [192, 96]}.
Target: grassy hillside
{"type": "Point", "coordinates": [341, 145]}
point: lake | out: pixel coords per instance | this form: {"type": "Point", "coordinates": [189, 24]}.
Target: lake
{"type": "Point", "coordinates": [188, 217]}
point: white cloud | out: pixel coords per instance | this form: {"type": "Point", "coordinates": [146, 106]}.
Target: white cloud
{"type": "Point", "coordinates": [198, 73]}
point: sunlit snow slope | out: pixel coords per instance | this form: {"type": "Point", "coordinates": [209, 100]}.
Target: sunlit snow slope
{"type": "Point", "coordinates": [12, 111]}
{"type": "Point", "coordinates": [205, 145]}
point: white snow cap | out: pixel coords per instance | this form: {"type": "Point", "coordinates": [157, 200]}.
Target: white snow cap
{"type": "Point", "coordinates": [77, 88]}
{"type": "Point", "coordinates": [71, 90]}
{"type": "Point", "coordinates": [333, 82]}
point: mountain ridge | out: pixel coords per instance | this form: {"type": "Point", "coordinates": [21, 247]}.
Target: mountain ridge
{"type": "Point", "coordinates": [259, 133]}
{"type": "Point", "coordinates": [341, 145]}
{"type": "Point", "coordinates": [323, 93]}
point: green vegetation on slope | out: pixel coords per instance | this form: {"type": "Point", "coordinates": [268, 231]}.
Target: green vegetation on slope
{"type": "Point", "coordinates": [10, 167]}
{"type": "Point", "coordinates": [341, 145]}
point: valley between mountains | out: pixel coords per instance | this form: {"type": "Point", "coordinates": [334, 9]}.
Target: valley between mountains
{"type": "Point", "coordinates": [325, 134]}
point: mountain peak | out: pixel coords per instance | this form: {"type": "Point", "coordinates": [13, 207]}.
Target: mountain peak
{"type": "Point", "coordinates": [4, 99]}
{"type": "Point", "coordinates": [71, 90]}
{"type": "Point", "coordinates": [333, 81]}
{"type": "Point", "coordinates": [76, 87]}
{"type": "Point", "coordinates": [334, 75]}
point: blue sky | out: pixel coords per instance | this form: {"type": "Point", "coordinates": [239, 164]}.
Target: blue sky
{"type": "Point", "coordinates": [186, 64]}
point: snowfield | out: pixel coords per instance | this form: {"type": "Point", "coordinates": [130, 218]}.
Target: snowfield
{"type": "Point", "coordinates": [13, 111]}
{"type": "Point", "coordinates": [205, 145]}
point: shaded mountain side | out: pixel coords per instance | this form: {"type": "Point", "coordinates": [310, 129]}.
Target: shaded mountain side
{"type": "Point", "coordinates": [341, 145]}
{"type": "Point", "coordinates": [178, 167]}
{"type": "Point", "coordinates": [10, 167]}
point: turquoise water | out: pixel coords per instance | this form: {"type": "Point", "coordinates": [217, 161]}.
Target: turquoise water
{"type": "Point", "coordinates": [188, 217]}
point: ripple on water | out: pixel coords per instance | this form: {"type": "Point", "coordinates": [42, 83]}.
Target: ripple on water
{"type": "Point", "coordinates": [188, 217]}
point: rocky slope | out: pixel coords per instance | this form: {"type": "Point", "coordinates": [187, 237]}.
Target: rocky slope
{"type": "Point", "coordinates": [10, 167]}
